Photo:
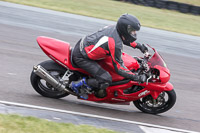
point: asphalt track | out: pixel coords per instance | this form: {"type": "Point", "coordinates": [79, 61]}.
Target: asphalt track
{"type": "Point", "coordinates": [20, 26]}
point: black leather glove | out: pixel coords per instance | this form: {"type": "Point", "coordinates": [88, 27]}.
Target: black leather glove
{"type": "Point", "coordinates": [140, 78]}
{"type": "Point", "coordinates": [141, 47]}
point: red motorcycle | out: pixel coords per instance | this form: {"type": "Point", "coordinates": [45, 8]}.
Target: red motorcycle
{"type": "Point", "coordinates": [52, 78]}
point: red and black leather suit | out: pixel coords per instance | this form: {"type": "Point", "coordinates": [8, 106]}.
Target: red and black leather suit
{"type": "Point", "coordinates": [99, 45]}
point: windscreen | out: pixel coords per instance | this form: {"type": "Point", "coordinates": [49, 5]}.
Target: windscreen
{"type": "Point", "coordinates": [156, 59]}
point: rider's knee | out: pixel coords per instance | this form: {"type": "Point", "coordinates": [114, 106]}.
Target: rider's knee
{"type": "Point", "coordinates": [103, 76]}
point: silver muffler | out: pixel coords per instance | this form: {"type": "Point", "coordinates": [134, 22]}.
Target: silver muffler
{"type": "Point", "coordinates": [44, 74]}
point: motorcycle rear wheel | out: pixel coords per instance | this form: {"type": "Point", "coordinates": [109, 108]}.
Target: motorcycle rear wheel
{"type": "Point", "coordinates": [161, 104]}
{"type": "Point", "coordinates": [43, 87]}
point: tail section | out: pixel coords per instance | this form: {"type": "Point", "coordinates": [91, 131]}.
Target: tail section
{"type": "Point", "coordinates": [57, 50]}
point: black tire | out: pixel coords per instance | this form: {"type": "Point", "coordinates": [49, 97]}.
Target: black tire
{"type": "Point", "coordinates": [47, 90]}
{"type": "Point", "coordinates": [143, 104]}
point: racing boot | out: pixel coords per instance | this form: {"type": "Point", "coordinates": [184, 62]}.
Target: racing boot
{"type": "Point", "coordinates": [79, 87]}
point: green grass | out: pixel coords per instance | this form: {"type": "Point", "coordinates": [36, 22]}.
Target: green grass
{"type": "Point", "coordinates": [19, 124]}
{"type": "Point", "coordinates": [111, 10]}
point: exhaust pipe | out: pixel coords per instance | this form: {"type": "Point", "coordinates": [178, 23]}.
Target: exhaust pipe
{"type": "Point", "coordinates": [42, 73]}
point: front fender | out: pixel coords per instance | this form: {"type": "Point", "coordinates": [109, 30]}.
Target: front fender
{"type": "Point", "coordinates": [169, 86]}
{"type": "Point", "coordinates": [156, 89]}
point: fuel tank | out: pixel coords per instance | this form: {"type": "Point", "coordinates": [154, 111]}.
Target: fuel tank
{"type": "Point", "coordinates": [130, 62]}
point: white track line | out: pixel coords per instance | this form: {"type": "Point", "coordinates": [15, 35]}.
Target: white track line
{"type": "Point", "coordinates": [96, 116]}
{"type": "Point", "coordinates": [155, 130]}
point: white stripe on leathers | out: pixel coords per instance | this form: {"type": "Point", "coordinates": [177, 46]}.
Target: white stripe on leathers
{"type": "Point", "coordinates": [99, 43]}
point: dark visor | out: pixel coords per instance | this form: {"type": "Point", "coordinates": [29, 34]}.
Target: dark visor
{"type": "Point", "coordinates": [130, 29]}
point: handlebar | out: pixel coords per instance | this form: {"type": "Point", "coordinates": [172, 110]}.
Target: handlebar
{"type": "Point", "coordinates": [145, 60]}
{"type": "Point", "coordinates": [147, 54]}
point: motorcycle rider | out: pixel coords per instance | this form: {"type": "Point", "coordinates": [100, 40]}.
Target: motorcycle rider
{"type": "Point", "coordinates": [108, 41]}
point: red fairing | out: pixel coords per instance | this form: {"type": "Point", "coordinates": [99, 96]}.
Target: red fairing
{"type": "Point", "coordinates": [150, 89]}
{"type": "Point", "coordinates": [158, 63]}
{"type": "Point", "coordinates": [57, 50]}
{"type": "Point", "coordinates": [130, 62]}
{"type": "Point", "coordinates": [164, 74]}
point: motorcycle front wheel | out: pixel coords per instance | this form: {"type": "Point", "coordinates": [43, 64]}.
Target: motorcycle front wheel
{"type": "Point", "coordinates": [163, 103]}
{"type": "Point", "coordinates": [43, 87]}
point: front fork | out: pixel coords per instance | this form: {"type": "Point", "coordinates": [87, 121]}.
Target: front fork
{"type": "Point", "coordinates": [155, 94]}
